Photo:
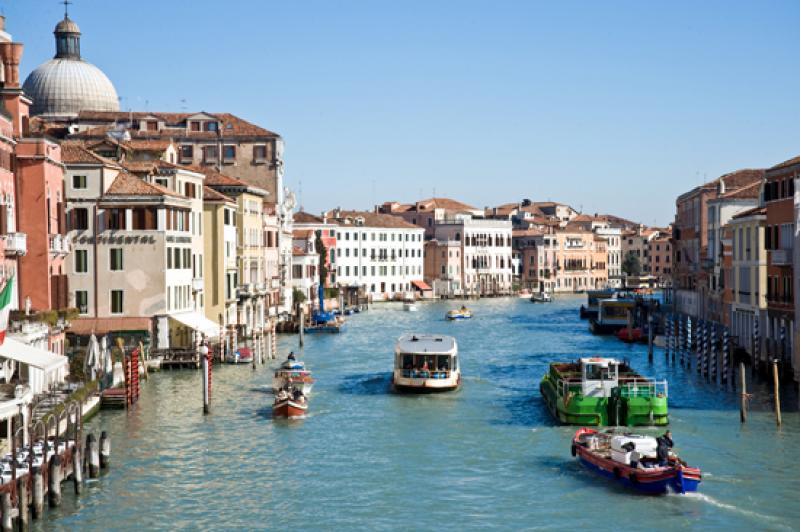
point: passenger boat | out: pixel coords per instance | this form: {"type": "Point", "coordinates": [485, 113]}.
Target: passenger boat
{"type": "Point", "coordinates": [541, 297]}
{"type": "Point", "coordinates": [289, 402]}
{"type": "Point", "coordinates": [603, 391]}
{"type": "Point", "coordinates": [426, 363]}
{"type": "Point", "coordinates": [630, 459]}
{"type": "Point", "coordinates": [459, 314]}
{"type": "Point", "coordinates": [612, 315]}
{"type": "Point", "coordinates": [592, 297]}
{"type": "Point", "coordinates": [293, 373]}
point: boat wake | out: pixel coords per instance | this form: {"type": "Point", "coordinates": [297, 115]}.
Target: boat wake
{"type": "Point", "coordinates": [736, 509]}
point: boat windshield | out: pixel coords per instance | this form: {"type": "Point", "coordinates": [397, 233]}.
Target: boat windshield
{"type": "Point", "coordinates": [597, 372]}
{"type": "Point", "coordinates": [421, 366]}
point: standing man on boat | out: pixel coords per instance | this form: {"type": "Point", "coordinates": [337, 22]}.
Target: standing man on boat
{"type": "Point", "coordinates": [665, 443]}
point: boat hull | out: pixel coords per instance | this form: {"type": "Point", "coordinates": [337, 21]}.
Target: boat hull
{"type": "Point", "coordinates": [603, 328]}
{"type": "Point", "coordinates": [333, 329]}
{"type": "Point", "coordinates": [604, 411]}
{"type": "Point", "coordinates": [288, 408]}
{"type": "Point", "coordinates": [411, 385]}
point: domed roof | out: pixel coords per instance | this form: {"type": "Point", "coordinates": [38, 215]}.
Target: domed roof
{"type": "Point", "coordinates": [67, 26]}
{"type": "Point", "coordinates": [64, 87]}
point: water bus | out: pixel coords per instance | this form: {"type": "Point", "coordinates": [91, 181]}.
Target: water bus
{"type": "Point", "coordinates": [293, 373]}
{"type": "Point", "coordinates": [603, 391]}
{"type": "Point", "coordinates": [612, 315]}
{"type": "Point", "coordinates": [631, 460]}
{"type": "Point", "coordinates": [592, 297]}
{"type": "Point", "coordinates": [459, 314]}
{"type": "Point", "coordinates": [426, 363]}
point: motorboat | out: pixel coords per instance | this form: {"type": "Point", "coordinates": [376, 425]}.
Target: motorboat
{"type": "Point", "coordinates": [426, 363]}
{"type": "Point", "coordinates": [293, 373]}
{"type": "Point", "coordinates": [409, 306]}
{"type": "Point", "coordinates": [462, 313]}
{"type": "Point", "coordinates": [290, 403]}
{"type": "Point", "coordinates": [242, 355]}
{"type": "Point", "coordinates": [603, 391]}
{"type": "Point", "coordinates": [612, 315]}
{"type": "Point", "coordinates": [632, 335]}
{"type": "Point", "coordinates": [630, 459]}
{"type": "Point", "coordinates": [541, 297]}
{"type": "Point", "coordinates": [524, 294]}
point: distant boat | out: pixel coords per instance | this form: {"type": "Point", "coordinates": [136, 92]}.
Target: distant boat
{"type": "Point", "coordinates": [409, 306]}
{"type": "Point", "coordinates": [612, 315]}
{"type": "Point", "coordinates": [630, 460]}
{"type": "Point", "coordinates": [459, 314]}
{"type": "Point", "coordinates": [290, 403]}
{"type": "Point", "coordinates": [592, 298]}
{"type": "Point", "coordinates": [243, 355]}
{"type": "Point", "coordinates": [541, 297]}
{"type": "Point", "coordinates": [293, 373]}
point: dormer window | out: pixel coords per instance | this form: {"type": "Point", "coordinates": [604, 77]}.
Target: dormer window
{"type": "Point", "coordinates": [211, 126]}
{"type": "Point", "coordinates": [360, 221]}
{"type": "Point", "coordinates": [194, 125]}
{"type": "Point", "coordinates": [152, 125]}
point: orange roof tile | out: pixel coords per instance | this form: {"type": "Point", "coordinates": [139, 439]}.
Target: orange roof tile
{"type": "Point", "coordinates": [209, 194]}
{"type": "Point", "coordinates": [128, 185]}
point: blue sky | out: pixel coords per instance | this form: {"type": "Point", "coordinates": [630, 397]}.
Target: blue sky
{"type": "Point", "coordinates": [609, 106]}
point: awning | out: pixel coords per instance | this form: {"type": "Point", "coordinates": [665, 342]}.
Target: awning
{"type": "Point", "coordinates": [99, 326]}
{"type": "Point", "coordinates": [198, 322]}
{"type": "Point", "coordinates": [422, 285]}
{"type": "Point", "coordinates": [32, 356]}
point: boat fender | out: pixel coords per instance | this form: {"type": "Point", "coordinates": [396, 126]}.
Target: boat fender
{"type": "Point", "coordinates": [574, 450]}
{"type": "Point", "coordinates": [617, 473]}
{"type": "Point", "coordinates": [633, 477]}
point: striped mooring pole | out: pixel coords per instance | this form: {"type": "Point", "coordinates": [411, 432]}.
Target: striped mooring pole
{"type": "Point", "coordinates": [726, 339]}
{"type": "Point", "coordinates": [698, 349]}
{"type": "Point", "coordinates": [690, 323]}
{"type": "Point", "coordinates": [756, 344]}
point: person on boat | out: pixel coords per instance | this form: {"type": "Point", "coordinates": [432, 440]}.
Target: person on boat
{"type": "Point", "coordinates": [291, 356]}
{"type": "Point", "coordinates": [663, 445]}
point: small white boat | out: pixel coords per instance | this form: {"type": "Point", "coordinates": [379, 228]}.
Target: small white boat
{"type": "Point", "coordinates": [409, 306]}
{"type": "Point", "coordinates": [541, 297]}
{"type": "Point", "coordinates": [426, 363]}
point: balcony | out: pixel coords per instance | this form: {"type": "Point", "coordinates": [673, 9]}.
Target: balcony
{"type": "Point", "coordinates": [781, 257]}
{"type": "Point", "coordinates": [16, 244]}
{"type": "Point", "coordinates": [59, 245]}
{"type": "Point", "coordinates": [197, 284]}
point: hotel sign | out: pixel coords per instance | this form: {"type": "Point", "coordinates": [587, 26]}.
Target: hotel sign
{"type": "Point", "coordinates": [135, 239]}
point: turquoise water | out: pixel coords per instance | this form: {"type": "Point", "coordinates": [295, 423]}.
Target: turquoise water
{"type": "Point", "coordinates": [485, 457]}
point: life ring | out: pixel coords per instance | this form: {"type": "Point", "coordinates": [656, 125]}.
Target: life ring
{"type": "Point", "coordinates": [573, 450]}
{"type": "Point", "coordinates": [617, 473]}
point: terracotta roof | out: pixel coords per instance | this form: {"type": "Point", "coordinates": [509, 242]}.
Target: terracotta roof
{"type": "Point", "coordinates": [791, 162]}
{"type": "Point", "coordinates": [230, 125]}
{"type": "Point", "coordinates": [148, 144]}
{"type": "Point", "coordinates": [371, 219]}
{"type": "Point", "coordinates": [302, 233]}
{"type": "Point", "coordinates": [526, 232]}
{"type": "Point", "coordinates": [77, 153]}
{"type": "Point", "coordinates": [755, 211]}
{"type": "Point", "coordinates": [302, 217]}
{"type": "Point", "coordinates": [213, 177]}
{"type": "Point", "coordinates": [297, 250]}
{"type": "Point", "coordinates": [128, 185]}
{"type": "Point", "coordinates": [209, 194]}
{"type": "Point", "coordinates": [750, 191]}
{"type": "Point", "coordinates": [441, 203]}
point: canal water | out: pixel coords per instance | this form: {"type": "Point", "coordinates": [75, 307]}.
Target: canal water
{"type": "Point", "coordinates": [485, 457]}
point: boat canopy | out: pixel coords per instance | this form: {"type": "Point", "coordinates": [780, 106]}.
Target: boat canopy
{"type": "Point", "coordinates": [426, 344]}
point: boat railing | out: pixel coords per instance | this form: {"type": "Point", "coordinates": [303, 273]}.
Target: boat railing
{"type": "Point", "coordinates": [570, 386]}
{"type": "Point", "coordinates": [426, 374]}
{"type": "Point", "coordinates": [643, 388]}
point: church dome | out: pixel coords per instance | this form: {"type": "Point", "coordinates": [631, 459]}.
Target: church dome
{"type": "Point", "coordinates": [67, 85]}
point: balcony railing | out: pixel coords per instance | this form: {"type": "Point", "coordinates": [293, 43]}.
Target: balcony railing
{"type": "Point", "coordinates": [59, 245]}
{"type": "Point", "coordinates": [16, 243]}
{"type": "Point", "coordinates": [781, 257]}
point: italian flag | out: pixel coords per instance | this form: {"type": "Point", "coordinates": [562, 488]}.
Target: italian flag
{"type": "Point", "coordinates": [5, 307]}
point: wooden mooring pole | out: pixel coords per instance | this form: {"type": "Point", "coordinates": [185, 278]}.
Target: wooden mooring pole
{"type": "Point", "coordinates": [24, 515]}
{"type": "Point", "coordinates": [743, 384]}
{"type": "Point", "coordinates": [93, 456]}
{"type": "Point", "coordinates": [205, 369]}
{"type": "Point", "coordinates": [776, 384]}
{"type": "Point", "coordinates": [54, 478]}
{"type": "Point", "coordinates": [105, 450]}
{"type": "Point", "coordinates": [38, 492]}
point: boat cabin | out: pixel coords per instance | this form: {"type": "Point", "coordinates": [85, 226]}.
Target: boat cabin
{"type": "Point", "coordinates": [614, 312]}
{"type": "Point", "coordinates": [599, 376]}
{"type": "Point", "coordinates": [427, 361]}
{"type": "Point", "coordinates": [594, 296]}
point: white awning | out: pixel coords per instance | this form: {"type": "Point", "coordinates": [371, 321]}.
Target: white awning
{"type": "Point", "coordinates": [198, 322]}
{"type": "Point", "coordinates": [32, 356]}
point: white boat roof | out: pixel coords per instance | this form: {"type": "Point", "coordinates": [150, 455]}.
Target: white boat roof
{"type": "Point", "coordinates": [603, 361]}
{"type": "Point", "coordinates": [426, 343]}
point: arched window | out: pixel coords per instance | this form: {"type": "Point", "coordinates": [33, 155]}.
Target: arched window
{"type": "Point", "coordinates": [458, 237]}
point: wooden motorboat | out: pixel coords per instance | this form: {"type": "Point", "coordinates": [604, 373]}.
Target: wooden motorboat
{"type": "Point", "coordinates": [243, 355]}
{"type": "Point", "coordinates": [631, 460]}
{"type": "Point", "coordinates": [290, 403]}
